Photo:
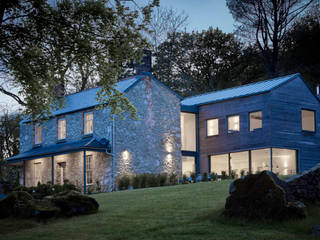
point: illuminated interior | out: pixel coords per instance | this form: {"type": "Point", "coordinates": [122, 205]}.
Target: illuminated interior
{"type": "Point", "coordinates": [234, 123]}
{"type": "Point", "coordinates": [239, 161]}
{"type": "Point", "coordinates": [188, 131]}
{"type": "Point", "coordinates": [219, 163]}
{"type": "Point", "coordinates": [188, 165]}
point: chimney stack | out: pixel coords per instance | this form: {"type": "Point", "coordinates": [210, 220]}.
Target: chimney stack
{"type": "Point", "coordinates": [146, 63]}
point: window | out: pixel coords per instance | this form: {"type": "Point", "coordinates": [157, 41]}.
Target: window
{"type": "Point", "coordinates": [234, 123]}
{"type": "Point", "coordinates": [212, 127]}
{"type": "Point", "coordinates": [255, 120]}
{"type": "Point", "coordinates": [37, 134]}
{"type": "Point", "coordinates": [284, 161]}
{"type": "Point", "coordinates": [188, 165]}
{"type": "Point", "coordinates": [308, 121]}
{"type": "Point", "coordinates": [239, 163]}
{"type": "Point", "coordinates": [62, 172]}
{"type": "Point", "coordinates": [37, 173]}
{"type": "Point", "coordinates": [62, 133]}
{"type": "Point", "coordinates": [89, 169]}
{"type": "Point", "coordinates": [260, 160]}
{"type": "Point", "coordinates": [188, 131]}
{"type": "Point", "coordinates": [219, 164]}
{"type": "Point", "coordinates": [88, 123]}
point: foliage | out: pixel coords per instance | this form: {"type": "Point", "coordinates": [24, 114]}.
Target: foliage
{"type": "Point", "coordinates": [224, 175]}
{"type": "Point", "coordinates": [233, 174]}
{"type": "Point", "coordinates": [173, 179]}
{"type": "Point", "coordinates": [42, 190]}
{"type": "Point", "coordinates": [45, 50]}
{"type": "Point", "coordinates": [193, 175]}
{"type": "Point", "coordinates": [267, 22]}
{"type": "Point", "coordinates": [204, 177]}
{"type": "Point", "coordinates": [124, 182]}
{"type": "Point", "coordinates": [142, 180]}
{"type": "Point", "coordinates": [213, 176]}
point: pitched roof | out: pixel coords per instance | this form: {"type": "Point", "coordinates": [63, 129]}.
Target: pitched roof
{"type": "Point", "coordinates": [236, 92]}
{"type": "Point", "coordinates": [61, 148]}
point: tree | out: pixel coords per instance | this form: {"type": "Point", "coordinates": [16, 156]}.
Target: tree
{"type": "Point", "coordinates": [75, 45]}
{"type": "Point", "coordinates": [301, 50]}
{"type": "Point", "coordinates": [267, 21]}
{"type": "Point", "coordinates": [196, 62]}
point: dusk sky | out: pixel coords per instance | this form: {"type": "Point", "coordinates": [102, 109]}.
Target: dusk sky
{"type": "Point", "coordinates": [202, 14]}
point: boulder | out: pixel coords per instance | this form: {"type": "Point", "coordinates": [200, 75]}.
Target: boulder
{"type": "Point", "coordinates": [44, 209]}
{"type": "Point", "coordinates": [259, 196]}
{"type": "Point", "coordinates": [74, 203]}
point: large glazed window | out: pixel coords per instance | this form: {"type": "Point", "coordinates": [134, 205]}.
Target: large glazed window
{"type": "Point", "coordinates": [62, 124]}
{"type": "Point", "coordinates": [188, 165]}
{"type": "Point", "coordinates": [37, 134]}
{"type": "Point", "coordinates": [255, 120]}
{"type": "Point", "coordinates": [219, 163]}
{"type": "Point", "coordinates": [212, 127]}
{"type": "Point", "coordinates": [188, 131]}
{"type": "Point", "coordinates": [308, 121]}
{"type": "Point", "coordinates": [239, 163]}
{"type": "Point", "coordinates": [234, 123]}
{"type": "Point", "coordinates": [88, 123]}
{"type": "Point", "coordinates": [284, 161]}
{"type": "Point", "coordinates": [260, 160]}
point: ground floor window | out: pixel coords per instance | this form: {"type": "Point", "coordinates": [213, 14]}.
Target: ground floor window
{"type": "Point", "coordinates": [280, 161]}
{"type": "Point", "coordinates": [62, 172]}
{"type": "Point", "coordinates": [188, 165]}
{"type": "Point", "coordinates": [89, 169]}
{"type": "Point", "coordinates": [37, 173]}
{"type": "Point", "coordinates": [219, 163]}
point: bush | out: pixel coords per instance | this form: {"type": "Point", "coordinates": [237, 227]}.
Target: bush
{"type": "Point", "coordinates": [224, 175]}
{"type": "Point", "coordinates": [144, 178]}
{"type": "Point", "coordinates": [163, 179]}
{"type": "Point", "coordinates": [152, 180]}
{"type": "Point", "coordinates": [233, 174]}
{"type": "Point", "coordinates": [204, 177]}
{"type": "Point", "coordinates": [124, 182]}
{"type": "Point", "coordinates": [184, 179]}
{"type": "Point", "coordinates": [193, 176]}
{"type": "Point", "coordinates": [173, 179]}
{"type": "Point", "coordinates": [213, 176]}
{"type": "Point", "coordinates": [136, 181]}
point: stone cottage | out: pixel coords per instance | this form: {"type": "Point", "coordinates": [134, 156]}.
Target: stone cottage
{"type": "Point", "coordinates": [82, 144]}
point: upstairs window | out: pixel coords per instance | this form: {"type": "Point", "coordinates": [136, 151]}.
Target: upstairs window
{"type": "Point", "coordinates": [255, 120]}
{"type": "Point", "coordinates": [234, 123]}
{"type": "Point", "coordinates": [88, 123]}
{"type": "Point", "coordinates": [62, 124]}
{"type": "Point", "coordinates": [37, 133]}
{"type": "Point", "coordinates": [308, 120]}
{"type": "Point", "coordinates": [212, 127]}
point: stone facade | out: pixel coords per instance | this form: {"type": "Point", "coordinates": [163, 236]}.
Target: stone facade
{"type": "Point", "coordinates": [151, 144]}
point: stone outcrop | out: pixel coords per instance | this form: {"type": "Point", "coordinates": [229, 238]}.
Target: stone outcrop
{"type": "Point", "coordinates": [264, 195]}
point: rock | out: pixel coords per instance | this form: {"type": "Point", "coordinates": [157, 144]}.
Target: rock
{"type": "Point", "coordinates": [74, 203]}
{"type": "Point", "coordinates": [44, 209]}
{"type": "Point", "coordinates": [259, 196]}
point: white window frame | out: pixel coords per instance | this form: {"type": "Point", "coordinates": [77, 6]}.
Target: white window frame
{"type": "Point", "coordinates": [214, 120]}
{"type": "Point", "coordinates": [59, 129]}
{"type": "Point", "coordinates": [85, 130]}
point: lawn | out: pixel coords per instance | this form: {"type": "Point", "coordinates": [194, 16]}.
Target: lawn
{"type": "Point", "coordinates": [177, 212]}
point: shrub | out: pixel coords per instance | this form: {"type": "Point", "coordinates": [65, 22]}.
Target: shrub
{"type": "Point", "coordinates": [184, 179]}
{"type": "Point", "coordinates": [205, 177]}
{"type": "Point", "coordinates": [213, 176]}
{"type": "Point", "coordinates": [193, 176]}
{"type": "Point", "coordinates": [173, 179]}
{"type": "Point", "coordinates": [136, 181]}
{"type": "Point", "coordinates": [152, 181]}
{"type": "Point", "coordinates": [124, 182]}
{"type": "Point", "coordinates": [233, 174]}
{"type": "Point", "coordinates": [224, 175]}
{"type": "Point", "coordinates": [163, 179]}
{"type": "Point", "coordinates": [144, 178]}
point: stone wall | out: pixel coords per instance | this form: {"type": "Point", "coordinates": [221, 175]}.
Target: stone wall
{"type": "Point", "coordinates": [37, 170]}
{"type": "Point", "coordinates": [151, 144]}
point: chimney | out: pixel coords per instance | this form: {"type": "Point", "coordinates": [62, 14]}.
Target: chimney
{"type": "Point", "coordinates": [145, 65]}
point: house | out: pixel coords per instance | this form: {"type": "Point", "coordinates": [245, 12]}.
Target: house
{"type": "Point", "coordinates": [82, 144]}
{"type": "Point", "coordinates": [268, 125]}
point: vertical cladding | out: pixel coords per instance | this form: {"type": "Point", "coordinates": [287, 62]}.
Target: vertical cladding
{"type": "Point", "coordinates": [152, 143]}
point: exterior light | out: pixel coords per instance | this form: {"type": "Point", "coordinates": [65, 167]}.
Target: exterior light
{"type": "Point", "coordinates": [125, 155]}
{"type": "Point", "coordinates": [169, 147]}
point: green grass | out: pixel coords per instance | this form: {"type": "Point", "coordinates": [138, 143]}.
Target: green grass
{"type": "Point", "coordinates": [178, 212]}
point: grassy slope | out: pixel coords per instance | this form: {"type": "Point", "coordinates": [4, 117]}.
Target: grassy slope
{"type": "Point", "coordinates": [178, 212]}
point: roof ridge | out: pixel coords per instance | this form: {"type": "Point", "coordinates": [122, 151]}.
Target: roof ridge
{"type": "Point", "coordinates": [221, 90]}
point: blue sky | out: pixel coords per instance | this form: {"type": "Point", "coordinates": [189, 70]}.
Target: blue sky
{"type": "Point", "coordinates": [203, 13]}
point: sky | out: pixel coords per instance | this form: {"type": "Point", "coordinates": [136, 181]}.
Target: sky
{"type": "Point", "coordinates": [202, 14]}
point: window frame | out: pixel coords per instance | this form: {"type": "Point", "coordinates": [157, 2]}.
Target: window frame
{"type": "Point", "coordinates": [84, 123]}
{"type": "Point", "coordinates": [256, 129]}
{"type": "Point", "coordinates": [90, 170]}
{"type": "Point", "coordinates": [35, 134]}
{"type": "Point", "coordinates": [232, 131]}
{"type": "Point", "coordinates": [57, 129]}
{"type": "Point", "coordinates": [314, 118]}
{"type": "Point", "coordinates": [206, 127]}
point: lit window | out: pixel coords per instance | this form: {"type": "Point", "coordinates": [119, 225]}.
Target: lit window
{"type": "Point", "coordinates": [284, 161]}
{"type": "Point", "coordinates": [188, 131]}
{"type": "Point", "coordinates": [37, 134]}
{"type": "Point", "coordinates": [89, 169]}
{"type": "Point", "coordinates": [219, 164]}
{"type": "Point", "coordinates": [62, 128]}
{"type": "Point", "coordinates": [308, 121]}
{"type": "Point", "coordinates": [188, 165]}
{"type": "Point", "coordinates": [234, 123]}
{"type": "Point", "coordinates": [88, 123]}
{"type": "Point", "coordinates": [212, 127]}
{"type": "Point", "coordinates": [255, 120]}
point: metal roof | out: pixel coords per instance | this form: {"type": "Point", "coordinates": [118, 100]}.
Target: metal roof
{"type": "Point", "coordinates": [89, 143]}
{"type": "Point", "coordinates": [236, 92]}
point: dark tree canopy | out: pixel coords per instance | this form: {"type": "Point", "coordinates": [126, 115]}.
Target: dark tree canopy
{"type": "Point", "coordinates": [267, 22]}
